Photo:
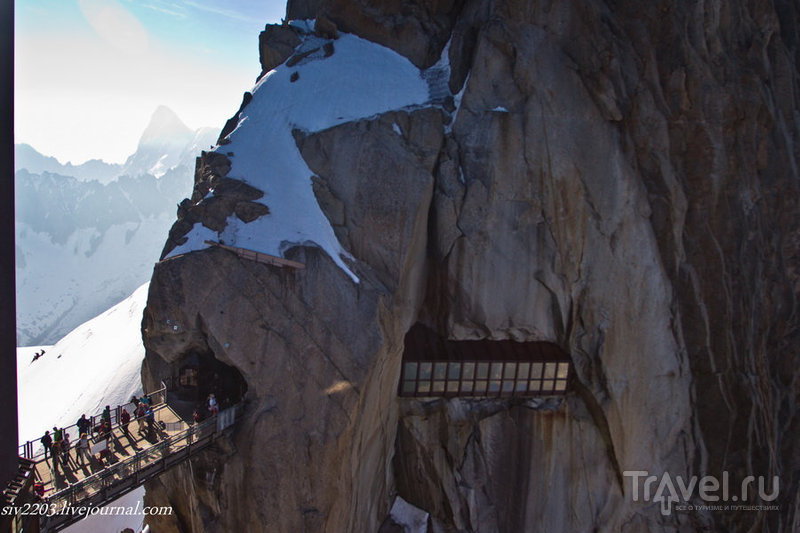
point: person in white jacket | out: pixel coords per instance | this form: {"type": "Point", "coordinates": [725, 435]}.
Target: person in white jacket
{"type": "Point", "coordinates": [212, 404]}
{"type": "Point", "coordinates": [83, 449]}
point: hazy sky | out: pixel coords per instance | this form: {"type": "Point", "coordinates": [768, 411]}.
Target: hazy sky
{"type": "Point", "coordinates": [89, 73]}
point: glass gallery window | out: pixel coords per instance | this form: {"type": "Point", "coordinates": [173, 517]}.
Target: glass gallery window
{"type": "Point", "coordinates": [434, 366]}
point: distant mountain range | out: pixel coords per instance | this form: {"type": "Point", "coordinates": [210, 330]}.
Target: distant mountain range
{"type": "Point", "coordinates": [27, 158]}
{"type": "Point", "coordinates": [166, 143]}
{"type": "Point", "coordinates": [87, 235]}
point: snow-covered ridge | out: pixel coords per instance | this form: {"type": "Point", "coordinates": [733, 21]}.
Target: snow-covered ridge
{"type": "Point", "coordinates": [359, 80]}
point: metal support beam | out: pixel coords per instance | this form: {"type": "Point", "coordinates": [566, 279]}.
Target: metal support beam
{"type": "Point", "coordinates": [8, 322]}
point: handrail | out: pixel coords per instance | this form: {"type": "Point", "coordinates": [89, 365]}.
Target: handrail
{"type": "Point", "coordinates": [259, 257]}
{"type": "Point", "coordinates": [245, 253]}
{"type": "Point", "coordinates": [125, 463]}
{"type": "Point", "coordinates": [33, 449]}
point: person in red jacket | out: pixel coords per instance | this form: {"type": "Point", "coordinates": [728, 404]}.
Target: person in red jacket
{"type": "Point", "coordinates": [125, 419]}
{"type": "Point", "coordinates": [39, 490]}
{"type": "Point", "coordinates": [140, 410]}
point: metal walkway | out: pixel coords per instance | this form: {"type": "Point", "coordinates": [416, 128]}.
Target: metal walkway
{"type": "Point", "coordinates": [129, 461]}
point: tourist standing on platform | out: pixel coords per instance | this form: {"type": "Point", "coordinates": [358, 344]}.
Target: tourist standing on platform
{"type": "Point", "coordinates": [140, 411]}
{"type": "Point", "coordinates": [213, 407]}
{"type": "Point", "coordinates": [83, 424]}
{"type": "Point", "coordinates": [197, 418]}
{"type": "Point", "coordinates": [65, 451]}
{"type": "Point", "coordinates": [135, 401]}
{"type": "Point", "coordinates": [56, 449]}
{"type": "Point", "coordinates": [47, 443]}
{"type": "Point", "coordinates": [125, 419]}
{"type": "Point", "coordinates": [56, 455]}
{"type": "Point", "coordinates": [105, 455]}
{"type": "Point", "coordinates": [151, 419]}
{"type": "Point", "coordinates": [83, 449]}
{"type": "Point", "coordinates": [105, 430]}
{"type": "Point", "coordinates": [106, 414]}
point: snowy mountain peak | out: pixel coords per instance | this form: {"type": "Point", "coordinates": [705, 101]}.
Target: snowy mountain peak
{"type": "Point", "coordinates": [166, 143]}
{"type": "Point", "coordinates": [165, 129]}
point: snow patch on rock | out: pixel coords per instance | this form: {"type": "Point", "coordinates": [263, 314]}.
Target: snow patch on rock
{"type": "Point", "coordinates": [359, 80]}
{"type": "Point", "coordinates": [413, 519]}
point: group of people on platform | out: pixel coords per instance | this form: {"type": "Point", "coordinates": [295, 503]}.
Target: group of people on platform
{"type": "Point", "coordinates": [57, 444]}
{"type": "Point", "coordinates": [144, 414]}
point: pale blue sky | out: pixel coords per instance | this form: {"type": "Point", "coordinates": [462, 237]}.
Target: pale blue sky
{"type": "Point", "coordinates": [89, 73]}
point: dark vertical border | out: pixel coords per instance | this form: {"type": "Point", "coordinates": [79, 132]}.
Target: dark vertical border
{"type": "Point", "coordinates": [8, 341]}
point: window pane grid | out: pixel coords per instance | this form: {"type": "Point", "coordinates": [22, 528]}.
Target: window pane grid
{"type": "Point", "coordinates": [483, 379]}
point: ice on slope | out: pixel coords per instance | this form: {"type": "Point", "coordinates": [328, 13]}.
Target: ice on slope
{"type": "Point", "coordinates": [361, 79]}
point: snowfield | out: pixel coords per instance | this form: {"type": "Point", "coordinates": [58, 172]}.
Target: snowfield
{"type": "Point", "coordinates": [359, 80]}
{"type": "Point", "coordinates": [63, 285]}
{"type": "Point", "coordinates": [98, 363]}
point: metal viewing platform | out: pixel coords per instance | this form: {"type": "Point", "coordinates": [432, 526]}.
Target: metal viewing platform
{"type": "Point", "coordinates": [116, 465]}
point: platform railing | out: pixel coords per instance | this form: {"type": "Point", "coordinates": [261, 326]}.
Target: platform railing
{"type": "Point", "coordinates": [196, 435]}
{"type": "Point", "coordinates": [127, 474]}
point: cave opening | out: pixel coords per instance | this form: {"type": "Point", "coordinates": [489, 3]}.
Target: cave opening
{"type": "Point", "coordinates": [199, 374]}
{"type": "Point", "coordinates": [434, 366]}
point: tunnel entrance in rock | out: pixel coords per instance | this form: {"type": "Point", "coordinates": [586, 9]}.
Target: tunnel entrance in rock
{"type": "Point", "coordinates": [436, 366]}
{"type": "Point", "coordinates": [198, 374]}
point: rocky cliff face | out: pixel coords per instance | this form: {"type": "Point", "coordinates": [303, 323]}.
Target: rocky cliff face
{"type": "Point", "coordinates": [619, 178]}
